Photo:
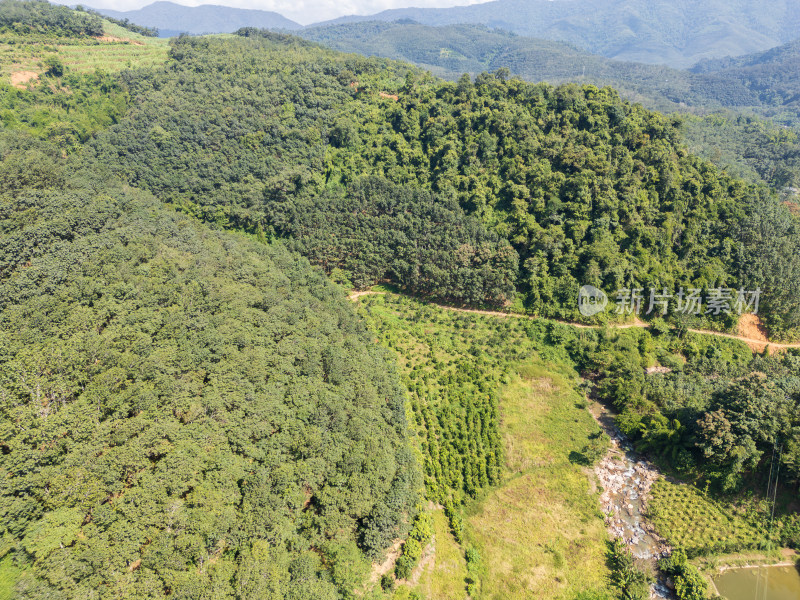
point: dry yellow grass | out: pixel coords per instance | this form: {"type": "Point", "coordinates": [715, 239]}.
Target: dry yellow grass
{"type": "Point", "coordinates": [444, 579]}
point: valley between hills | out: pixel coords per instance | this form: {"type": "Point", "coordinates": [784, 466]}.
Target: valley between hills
{"type": "Point", "coordinates": [281, 322]}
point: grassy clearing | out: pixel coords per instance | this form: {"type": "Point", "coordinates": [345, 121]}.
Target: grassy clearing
{"type": "Point", "coordinates": [687, 518]}
{"type": "Point", "coordinates": [121, 50]}
{"type": "Point", "coordinates": [9, 574]}
{"type": "Point", "coordinates": [445, 581]}
{"type": "Point", "coordinates": [541, 531]}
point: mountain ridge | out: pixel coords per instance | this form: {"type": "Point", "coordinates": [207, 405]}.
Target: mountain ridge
{"type": "Point", "coordinates": [764, 82]}
{"type": "Point", "coordinates": [206, 18]}
{"type": "Point", "coordinates": [678, 34]}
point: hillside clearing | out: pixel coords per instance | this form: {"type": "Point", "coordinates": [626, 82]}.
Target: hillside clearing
{"type": "Point", "coordinates": [539, 533]}
{"type": "Point", "coordinates": [22, 57]}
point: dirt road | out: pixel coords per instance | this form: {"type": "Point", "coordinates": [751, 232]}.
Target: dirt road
{"type": "Point", "coordinates": [758, 344]}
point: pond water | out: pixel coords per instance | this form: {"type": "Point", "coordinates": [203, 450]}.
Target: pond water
{"type": "Point", "coordinates": [764, 583]}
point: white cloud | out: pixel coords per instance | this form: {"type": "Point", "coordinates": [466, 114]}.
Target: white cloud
{"type": "Point", "coordinates": [302, 11]}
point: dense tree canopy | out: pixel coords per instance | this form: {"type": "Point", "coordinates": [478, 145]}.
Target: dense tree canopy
{"type": "Point", "coordinates": [747, 146]}
{"type": "Point", "coordinates": [279, 130]}
{"type": "Point", "coordinates": [39, 16]}
{"type": "Point", "coordinates": [182, 412]}
{"type": "Point", "coordinates": [585, 187]}
{"type": "Point", "coordinates": [381, 231]}
{"type": "Point", "coordinates": [68, 110]}
{"type": "Point", "coordinates": [719, 413]}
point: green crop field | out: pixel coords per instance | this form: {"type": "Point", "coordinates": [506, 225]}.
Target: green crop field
{"type": "Point", "coordinates": [539, 531]}
{"type": "Point", "coordinates": [687, 518]}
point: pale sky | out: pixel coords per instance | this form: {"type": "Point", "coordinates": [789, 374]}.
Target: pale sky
{"type": "Point", "coordinates": [304, 12]}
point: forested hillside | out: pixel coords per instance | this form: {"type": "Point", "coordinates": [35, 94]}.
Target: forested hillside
{"type": "Point", "coordinates": [585, 187]}
{"type": "Point", "coordinates": [449, 51]}
{"type": "Point", "coordinates": [748, 146]}
{"type": "Point", "coordinates": [191, 407]}
{"type": "Point", "coordinates": [763, 83]}
{"type": "Point", "coordinates": [39, 16]}
{"type": "Point", "coordinates": [182, 407]}
{"type": "Point", "coordinates": [90, 103]}
{"type": "Point", "coordinates": [772, 77]}
{"type": "Point", "coordinates": [284, 134]}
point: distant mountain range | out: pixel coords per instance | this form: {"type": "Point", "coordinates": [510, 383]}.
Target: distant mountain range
{"type": "Point", "coordinates": [451, 50]}
{"type": "Point", "coordinates": [172, 19]}
{"type": "Point", "coordinates": [768, 82]}
{"type": "Point", "coordinates": [678, 33]}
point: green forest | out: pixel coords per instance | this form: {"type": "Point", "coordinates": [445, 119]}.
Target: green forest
{"type": "Point", "coordinates": [761, 87]}
{"type": "Point", "coordinates": [182, 407]}
{"type": "Point", "coordinates": [585, 188]}
{"type": "Point", "coordinates": [763, 82]}
{"type": "Point", "coordinates": [41, 17]}
{"type": "Point", "coordinates": [196, 401]}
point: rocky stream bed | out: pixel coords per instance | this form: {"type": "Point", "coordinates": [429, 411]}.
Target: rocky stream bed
{"type": "Point", "coordinates": [626, 479]}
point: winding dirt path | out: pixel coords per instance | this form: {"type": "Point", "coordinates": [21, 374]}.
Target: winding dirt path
{"type": "Point", "coordinates": [758, 344]}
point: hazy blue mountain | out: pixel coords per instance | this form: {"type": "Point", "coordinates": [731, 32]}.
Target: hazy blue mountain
{"type": "Point", "coordinates": [171, 18]}
{"type": "Point", "coordinates": [677, 33]}
{"type": "Point", "coordinates": [452, 50]}
{"type": "Point", "coordinates": [785, 56]}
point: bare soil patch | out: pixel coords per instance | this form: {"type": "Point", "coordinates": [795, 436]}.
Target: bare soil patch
{"type": "Point", "coordinates": [750, 326]}
{"type": "Point", "coordinates": [387, 566]}
{"type": "Point", "coordinates": [113, 38]}
{"type": "Point", "coordinates": [21, 79]}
